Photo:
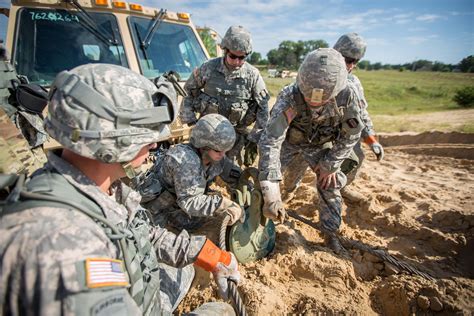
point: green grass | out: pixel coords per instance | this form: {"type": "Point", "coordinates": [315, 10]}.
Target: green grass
{"type": "Point", "coordinates": [393, 92]}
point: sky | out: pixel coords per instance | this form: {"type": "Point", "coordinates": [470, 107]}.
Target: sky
{"type": "Point", "coordinates": [398, 31]}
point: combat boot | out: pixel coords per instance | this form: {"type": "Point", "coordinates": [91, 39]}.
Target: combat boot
{"type": "Point", "coordinates": [332, 242]}
{"type": "Point", "coordinates": [350, 195]}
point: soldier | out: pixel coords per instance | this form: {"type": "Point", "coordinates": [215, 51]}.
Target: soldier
{"type": "Point", "coordinates": [176, 189]}
{"type": "Point", "coordinates": [352, 47]}
{"type": "Point", "coordinates": [75, 241]}
{"type": "Point", "coordinates": [304, 119]}
{"type": "Point", "coordinates": [233, 88]}
{"type": "Point", "coordinates": [21, 131]}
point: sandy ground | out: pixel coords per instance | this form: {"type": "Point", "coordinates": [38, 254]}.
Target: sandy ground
{"type": "Point", "coordinates": [417, 204]}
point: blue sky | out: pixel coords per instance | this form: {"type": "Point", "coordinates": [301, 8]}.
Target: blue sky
{"type": "Point", "coordinates": [396, 31]}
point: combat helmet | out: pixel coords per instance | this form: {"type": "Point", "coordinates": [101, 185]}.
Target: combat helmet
{"type": "Point", "coordinates": [322, 75]}
{"type": "Point", "coordinates": [237, 39]}
{"type": "Point", "coordinates": [351, 45]}
{"type": "Point", "coordinates": [108, 112]}
{"type": "Point", "coordinates": [213, 131]}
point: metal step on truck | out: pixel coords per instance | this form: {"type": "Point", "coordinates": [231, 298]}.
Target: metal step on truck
{"type": "Point", "coordinates": [45, 37]}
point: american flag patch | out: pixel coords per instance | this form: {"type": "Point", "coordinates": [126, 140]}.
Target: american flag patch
{"type": "Point", "coordinates": [102, 272]}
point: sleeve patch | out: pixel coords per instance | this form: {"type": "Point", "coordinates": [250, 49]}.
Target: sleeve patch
{"type": "Point", "coordinates": [102, 272]}
{"type": "Point", "coordinates": [352, 122]}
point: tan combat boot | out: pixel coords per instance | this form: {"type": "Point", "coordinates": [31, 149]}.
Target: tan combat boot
{"type": "Point", "coordinates": [353, 196]}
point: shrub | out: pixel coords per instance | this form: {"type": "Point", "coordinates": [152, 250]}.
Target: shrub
{"type": "Point", "coordinates": [465, 97]}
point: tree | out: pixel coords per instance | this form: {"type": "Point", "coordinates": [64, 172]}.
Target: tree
{"type": "Point", "coordinates": [377, 66]}
{"type": "Point", "coordinates": [467, 64]}
{"type": "Point", "coordinates": [254, 58]}
{"type": "Point", "coordinates": [364, 64]}
{"type": "Point", "coordinates": [290, 54]}
{"type": "Point", "coordinates": [209, 41]}
{"type": "Point", "coordinates": [274, 57]}
{"type": "Point", "coordinates": [422, 64]}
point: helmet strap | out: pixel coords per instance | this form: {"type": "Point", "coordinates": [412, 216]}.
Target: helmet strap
{"type": "Point", "coordinates": [130, 172]}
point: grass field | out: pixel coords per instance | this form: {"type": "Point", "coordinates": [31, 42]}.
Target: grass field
{"type": "Point", "coordinates": [395, 94]}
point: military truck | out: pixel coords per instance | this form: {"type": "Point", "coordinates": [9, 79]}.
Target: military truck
{"type": "Point", "coordinates": [45, 37]}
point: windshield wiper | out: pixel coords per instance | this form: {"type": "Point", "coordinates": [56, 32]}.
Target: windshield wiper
{"type": "Point", "coordinates": [88, 22]}
{"type": "Point", "coordinates": [157, 19]}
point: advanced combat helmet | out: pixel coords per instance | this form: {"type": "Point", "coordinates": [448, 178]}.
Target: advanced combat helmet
{"type": "Point", "coordinates": [322, 75]}
{"type": "Point", "coordinates": [108, 112]}
{"type": "Point", "coordinates": [351, 45]}
{"type": "Point", "coordinates": [213, 131]}
{"type": "Point", "coordinates": [237, 39]}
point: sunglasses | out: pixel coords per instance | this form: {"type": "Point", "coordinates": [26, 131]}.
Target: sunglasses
{"type": "Point", "coordinates": [232, 56]}
{"type": "Point", "coordinates": [349, 60]}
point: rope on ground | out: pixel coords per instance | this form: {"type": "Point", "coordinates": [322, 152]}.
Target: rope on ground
{"type": "Point", "coordinates": [380, 253]}
{"type": "Point", "coordinates": [234, 293]}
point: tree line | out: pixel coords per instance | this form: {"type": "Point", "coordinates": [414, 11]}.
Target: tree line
{"type": "Point", "coordinates": [290, 54]}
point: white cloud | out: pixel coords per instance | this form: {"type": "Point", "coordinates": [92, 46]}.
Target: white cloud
{"type": "Point", "coordinates": [416, 40]}
{"type": "Point", "coordinates": [356, 21]}
{"type": "Point", "coordinates": [428, 17]}
{"type": "Point", "coordinates": [400, 18]}
{"type": "Point", "coordinates": [457, 13]}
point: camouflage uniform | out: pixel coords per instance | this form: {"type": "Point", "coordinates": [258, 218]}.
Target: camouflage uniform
{"type": "Point", "coordinates": [185, 201]}
{"type": "Point", "coordinates": [295, 170]}
{"type": "Point", "coordinates": [353, 46]}
{"type": "Point", "coordinates": [22, 133]}
{"type": "Point", "coordinates": [67, 257]}
{"type": "Point", "coordinates": [297, 133]}
{"type": "Point", "coordinates": [176, 189]}
{"type": "Point", "coordinates": [16, 156]}
{"type": "Point", "coordinates": [368, 129]}
{"type": "Point", "coordinates": [239, 95]}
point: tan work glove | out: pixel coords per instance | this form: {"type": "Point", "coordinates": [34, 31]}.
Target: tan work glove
{"type": "Point", "coordinates": [272, 205]}
{"type": "Point", "coordinates": [233, 209]}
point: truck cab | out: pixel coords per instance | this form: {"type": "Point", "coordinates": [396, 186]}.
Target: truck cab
{"type": "Point", "coordinates": [45, 37]}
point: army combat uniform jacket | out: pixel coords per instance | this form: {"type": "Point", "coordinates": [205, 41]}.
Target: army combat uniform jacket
{"type": "Point", "coordinates": [369, 126]}
{"type": "Point", "coordinates": [296, 132]}
{"type": "Point", "coordinates": [176, 190]}
{"type": "Point", "coordinates": [240, 95]}
{"type": "Point", "coordinates": [56, 260]}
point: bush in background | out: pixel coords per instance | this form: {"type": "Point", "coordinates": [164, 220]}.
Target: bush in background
{"type": "Point", "coordinates": [465, 97]}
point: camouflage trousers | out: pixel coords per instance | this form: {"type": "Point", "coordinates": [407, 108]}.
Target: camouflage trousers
{"type": "Point", "coordinates": [295, 160]}
{"type": "Point", "coordinates": [236, 154]}
{"type": "Point", "coordinates": [174, 284]}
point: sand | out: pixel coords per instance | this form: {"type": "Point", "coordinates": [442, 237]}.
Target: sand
{"type": "Point", "coordinates": [417, 204]}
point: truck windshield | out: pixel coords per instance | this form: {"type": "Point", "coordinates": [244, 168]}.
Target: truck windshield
{"type": "Point", "coordinates": [173, 47]}
{"type": "Point", "coordinates": [50, 41]}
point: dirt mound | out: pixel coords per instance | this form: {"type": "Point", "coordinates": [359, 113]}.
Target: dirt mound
{"type": "Point", "coordinates": [418, 205]}
{"type": "Point", "coordinates": [446, 144]}
{"type": "Point", "coordinates": [411, 138]}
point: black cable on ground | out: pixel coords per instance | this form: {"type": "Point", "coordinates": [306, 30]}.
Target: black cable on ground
{"type": "Point", "coordinates": [380, 253]}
